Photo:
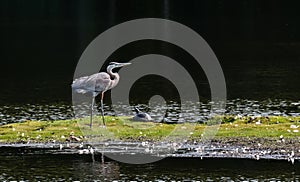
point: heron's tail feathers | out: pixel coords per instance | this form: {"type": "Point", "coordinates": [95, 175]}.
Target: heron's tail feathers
{"type": "Point", "coordinates": [83, 85]}
{"type": "Point", "coordinates": [79, 82]}
{"type": "Point", "coordinates": [80, 91]}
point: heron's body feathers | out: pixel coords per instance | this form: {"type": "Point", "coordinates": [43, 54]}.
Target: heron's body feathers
{"type": "Point", "coordinates": [96, 83]}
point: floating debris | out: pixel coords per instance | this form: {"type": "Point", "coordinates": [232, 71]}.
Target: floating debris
{"type": "Point", "coordinates": [256, 156]}
{"type": "Point", "coordinates": [294, 126]}
{"type": "Point", "coordinates": [258, 122]}
{"type": "Point", "coordinates": [291, 157]}
{"type": "Point", "coordinates": [84, 151]}
{"type": "Point", "coordinates": [73, 138]}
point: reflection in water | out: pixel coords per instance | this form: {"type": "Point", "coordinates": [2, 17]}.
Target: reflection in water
{"type": "Point", "coordinates": [191, 112]}
{"type": "Point", "coordinates": [56, 168]}
{"type": "Point", "coordinates": [96, 170]}
{"type": "Point", "coordinates": [74, 167]}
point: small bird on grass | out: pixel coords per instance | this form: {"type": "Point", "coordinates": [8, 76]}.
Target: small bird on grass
{"type": "Point", "coordinates": [141, 116]}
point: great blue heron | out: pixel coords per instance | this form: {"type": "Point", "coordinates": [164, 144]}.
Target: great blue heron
{"type": "Point", "coordinates": [98, 83]}
{"type": "Point", "coordinates": [141, 116]}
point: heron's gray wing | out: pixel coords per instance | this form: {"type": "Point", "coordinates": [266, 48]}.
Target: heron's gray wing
{"type": "Point", "coordinates": [103, 82]}
{"type": "Point", "coordinates": [93, 83]}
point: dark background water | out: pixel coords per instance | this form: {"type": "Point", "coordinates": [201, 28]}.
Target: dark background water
{"type": "Point", "coordinates": [257, 43]}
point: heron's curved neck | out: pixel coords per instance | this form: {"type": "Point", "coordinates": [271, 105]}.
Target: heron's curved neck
{"type": "Point", "coordinates": [115, 76]}
{"type": "Point", "coordinates": [112, 74]}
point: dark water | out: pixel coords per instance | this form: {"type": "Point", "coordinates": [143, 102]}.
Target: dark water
{"type": "Point", "coordinates": [80, 167]}
{"type": "Point", "coordinates": [41, 42]}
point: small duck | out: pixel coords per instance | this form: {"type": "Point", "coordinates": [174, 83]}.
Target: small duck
{"type": "Point", "coordinates": [141, 116]}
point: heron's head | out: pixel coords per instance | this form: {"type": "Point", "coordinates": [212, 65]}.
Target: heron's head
{"type": "Point", "coordinates": [113, 65]}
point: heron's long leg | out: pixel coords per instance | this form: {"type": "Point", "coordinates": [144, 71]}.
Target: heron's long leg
{"type": "Point", "coordinates": [92, 108]}
{"type": "Point", "coordinates": [102, 110]}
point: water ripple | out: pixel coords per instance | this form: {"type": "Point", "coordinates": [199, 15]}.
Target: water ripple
{"type": "Point", "coordinates": [194, 111]}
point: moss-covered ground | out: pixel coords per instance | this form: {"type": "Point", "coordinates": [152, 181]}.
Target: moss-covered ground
{"type": "Point", "coordinates": [122, 128]}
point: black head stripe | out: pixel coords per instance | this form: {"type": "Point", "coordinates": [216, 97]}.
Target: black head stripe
{"type": "Point", "coordinates": [112, 63]}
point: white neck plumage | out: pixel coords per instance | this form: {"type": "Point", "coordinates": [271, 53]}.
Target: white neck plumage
{"type": "Point", "coordinates": [115, 76]}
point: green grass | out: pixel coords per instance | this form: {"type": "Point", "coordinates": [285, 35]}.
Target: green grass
{"type": "Point", "coordinates": [122, 128]}
{"type": "Point", "coordinates": [39, 131]}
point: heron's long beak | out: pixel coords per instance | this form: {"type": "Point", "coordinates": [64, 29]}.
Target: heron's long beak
{"type": "Point", "coordinates": [124, 64]}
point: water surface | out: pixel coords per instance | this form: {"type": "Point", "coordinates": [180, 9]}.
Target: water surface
{"type": "Point", "coordinates": [197, 111]}
{"type": "Point", "coordinates": [80, 167]}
